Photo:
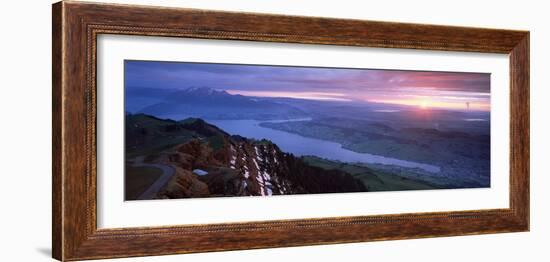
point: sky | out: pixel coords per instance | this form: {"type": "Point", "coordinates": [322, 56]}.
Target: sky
{"type": "Point", "coordinates": [422, 89]}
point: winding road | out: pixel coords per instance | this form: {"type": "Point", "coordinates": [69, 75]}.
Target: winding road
{"type": "Point", "coordinates": [167, 173]}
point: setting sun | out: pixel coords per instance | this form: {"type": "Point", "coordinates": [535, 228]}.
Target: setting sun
{"type": "Point", "coordinates": [424, 104]}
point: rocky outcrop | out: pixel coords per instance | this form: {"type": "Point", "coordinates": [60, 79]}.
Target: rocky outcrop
{"type": "Point", "coordinates": [245, 167]}
{"type": "Point", "coordinates": [184, 184]}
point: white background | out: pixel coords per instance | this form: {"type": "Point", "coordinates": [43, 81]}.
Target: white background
{"type": "Point", "coordinates": [25, 136]}
{"type": "Point", "coordinates": [114, 212]}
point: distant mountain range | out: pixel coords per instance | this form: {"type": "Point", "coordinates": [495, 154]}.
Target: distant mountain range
{"type": "Point", "coordinates": [209, 103]}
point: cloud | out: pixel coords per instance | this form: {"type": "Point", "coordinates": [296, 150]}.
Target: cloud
{"type": "Point", "coordinates": [299, 95]}
{"type": "Point", "coordinates": [354, 84]}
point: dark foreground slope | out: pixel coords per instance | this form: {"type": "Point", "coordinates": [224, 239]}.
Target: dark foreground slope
{"type": "Point", "coordinates": [209, 162]}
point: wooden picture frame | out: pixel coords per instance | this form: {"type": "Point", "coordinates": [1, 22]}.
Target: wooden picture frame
{"type": "Point", "coordinates": [76, 26]}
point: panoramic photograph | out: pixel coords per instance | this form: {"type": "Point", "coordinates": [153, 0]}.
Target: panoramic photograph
{"type": "Point", "coordinates": [198, 130]}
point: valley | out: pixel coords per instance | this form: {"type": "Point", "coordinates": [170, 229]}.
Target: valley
{"type": "Point", "coordinates": [218, 145]}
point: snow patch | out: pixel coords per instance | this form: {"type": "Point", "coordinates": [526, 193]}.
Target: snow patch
{"type": "Point", "coordinates": [266, 176]}
{"type": "Point", "coordinates": [233, 161]}
{"type": "Point", "coordinates": [199, 172]}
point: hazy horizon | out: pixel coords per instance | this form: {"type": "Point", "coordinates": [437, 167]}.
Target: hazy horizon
{"type": "Point", "coordinates": [422, 89]}
{"type": "Point", "coordinates": [259, 130]}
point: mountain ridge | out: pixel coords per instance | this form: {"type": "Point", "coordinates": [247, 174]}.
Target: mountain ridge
{"type": "Point", "coordinates": [210, 103]}
{"type": "Point", "coordinates": [234, 165]}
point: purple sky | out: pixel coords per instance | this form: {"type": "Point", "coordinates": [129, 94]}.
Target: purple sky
{"type": "Point", "coordinates": [414, 88]}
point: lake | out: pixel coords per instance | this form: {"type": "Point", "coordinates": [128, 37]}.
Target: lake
{"type": "Point", "coordinates": [303, 146]}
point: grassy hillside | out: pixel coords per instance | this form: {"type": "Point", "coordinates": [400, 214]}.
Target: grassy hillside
{"type": "Point", "coordinates": [373, 179]}
{"type": "Point", "coordinates": [145, 135]}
